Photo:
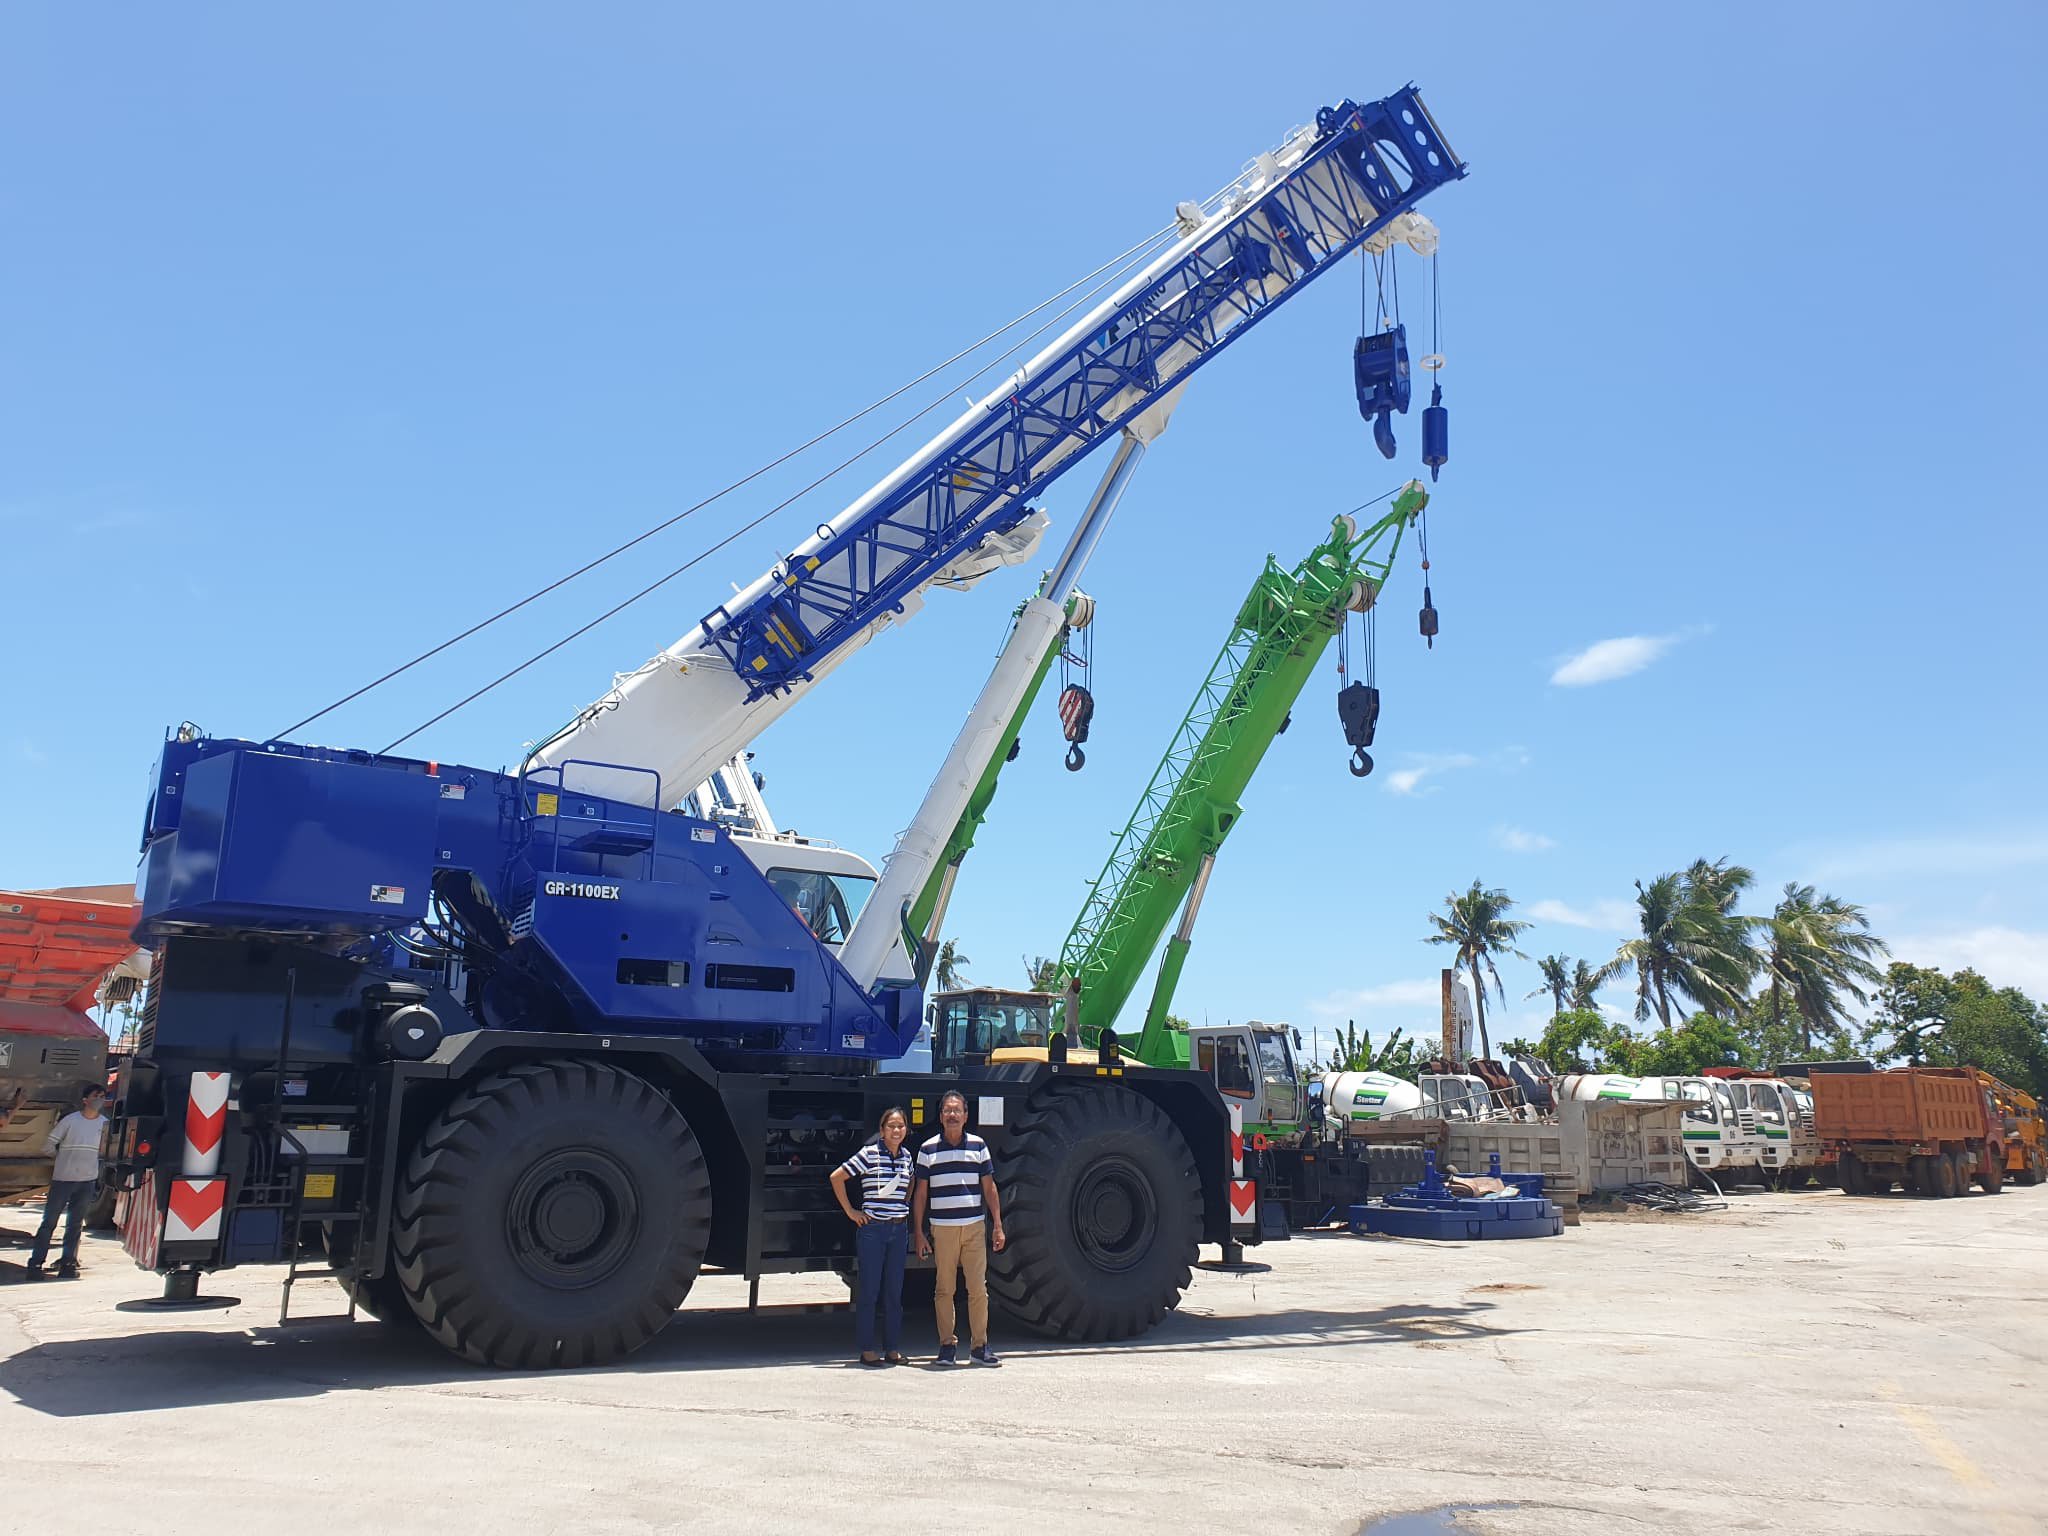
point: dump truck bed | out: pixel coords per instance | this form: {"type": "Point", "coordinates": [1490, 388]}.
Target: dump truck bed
{"type": "Point", "coordinates": [1906, 1104]}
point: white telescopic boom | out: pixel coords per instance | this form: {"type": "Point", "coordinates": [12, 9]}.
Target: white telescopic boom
{"type": "Point", "coordinates": [875, 948]}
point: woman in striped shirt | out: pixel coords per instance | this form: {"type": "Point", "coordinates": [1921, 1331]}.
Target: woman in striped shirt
{"type": "Point", "coordinates": [884, 1168]}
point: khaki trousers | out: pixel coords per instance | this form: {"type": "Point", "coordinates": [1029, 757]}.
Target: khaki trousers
{"type": "Point", "coordinates": [956, 1250]}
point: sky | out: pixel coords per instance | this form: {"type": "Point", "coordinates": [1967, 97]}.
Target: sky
{"type": "Point", "coordinates": [329, 332]}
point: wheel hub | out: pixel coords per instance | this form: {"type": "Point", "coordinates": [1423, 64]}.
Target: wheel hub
{"type": "Point", "coordinates": [572, 1218]}
{"type": "Point", "coordinates": [1114, 1214]}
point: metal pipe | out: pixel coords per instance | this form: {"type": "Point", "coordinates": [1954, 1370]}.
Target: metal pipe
{"type": "Point", "coordinates": [1100, 508]}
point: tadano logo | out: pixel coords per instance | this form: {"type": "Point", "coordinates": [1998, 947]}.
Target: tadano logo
{"type": "Point", "coordinates": [582, 888]}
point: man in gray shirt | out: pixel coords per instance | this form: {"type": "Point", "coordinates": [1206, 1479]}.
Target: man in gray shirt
{"type": "Point", "coordinates": [76, 1142]}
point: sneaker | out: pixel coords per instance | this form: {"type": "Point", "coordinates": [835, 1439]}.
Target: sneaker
{"type": "Point", "coordinates": [981, 1354]}
{"type": "Point", "coordinates": [949, 1354]}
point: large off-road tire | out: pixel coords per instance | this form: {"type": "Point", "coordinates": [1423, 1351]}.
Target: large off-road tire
{"type": "Point", "coordinates": [554, 1214]}
{"type": "Point", "coordinates": [1102, 1208]}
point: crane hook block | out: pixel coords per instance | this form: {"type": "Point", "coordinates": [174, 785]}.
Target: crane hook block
{"type": "Point", "coordinates": [1358, 710]}
{"type": "Point", "coordinates": [1379, 367]}
{"type": "Point", "coordinates": [1428, 617]}
{"type": "Point", "coordinates": [1436, 432]}
{"type": "Point", "coordinates": [1077, 709]}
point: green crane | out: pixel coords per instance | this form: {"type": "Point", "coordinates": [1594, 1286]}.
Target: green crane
{"type": "Point", "coordinates": [1164, 855]}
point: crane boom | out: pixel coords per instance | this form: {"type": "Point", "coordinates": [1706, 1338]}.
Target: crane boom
{"type": "Point", "coordinates": [1191, 804]}
{"type": "Point", "coordinates": [959, 508]}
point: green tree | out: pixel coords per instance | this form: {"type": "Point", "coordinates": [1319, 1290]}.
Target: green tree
{"type": "Point", "coordinates": [1960, 1021]}
{"type": "Point", "coordinates": [1556, 971]}
{"type": "Point", "coordinates": [1585, 982]}
{"type": "Point", "coordinates": [1693, 946]}
{"type": "Point", "coordinates": [1817, 948]}
{"type": "Point", "coordinates": [1773, 1034]}
{"type": "Point", "coordinates": [1699, 1042]}
{"type": "Point", "coordinates": [1041, 973]}
{"type": "Point", "coordinates": [1475, 923]}
{"type": "Point", "coordinates": [1579, 1040]}
{"type": "Point", "coordinates": [949, 968]}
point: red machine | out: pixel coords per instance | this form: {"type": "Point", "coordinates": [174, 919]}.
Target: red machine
{"type": "Point", "coordinates": [56, 949]}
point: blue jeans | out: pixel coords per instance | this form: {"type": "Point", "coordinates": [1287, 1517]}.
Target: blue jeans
{"type": "Point", "coordinates": [70, 1198]}
{"type": "Point", "coordinates": [882, 1247]}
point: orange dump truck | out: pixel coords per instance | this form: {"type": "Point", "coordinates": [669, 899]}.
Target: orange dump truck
{"type": "Point", "coordinates": [1932, 1129]}
{"type": "Point", "coordinates": [2026, 1135]}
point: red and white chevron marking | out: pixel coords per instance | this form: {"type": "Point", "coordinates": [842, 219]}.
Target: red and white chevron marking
{"type": "Point", "coordinates": [1244, 1193]}
{"type": "Point", "coordinates": [141, 1227]}
{"type": "Point", "coordinates": [206, 1118]}
{"type": "Point", "coordinates": [194, 1216]}
{"type": "Point", "coordinates": [1244, 1202]}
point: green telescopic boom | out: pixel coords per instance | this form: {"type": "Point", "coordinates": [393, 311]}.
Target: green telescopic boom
{"type": "Point", "coordinates": [1191, 804]}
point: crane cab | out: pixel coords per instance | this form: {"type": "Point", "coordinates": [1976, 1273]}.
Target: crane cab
{"type": "Point", "coordinates": [1255, 1067]}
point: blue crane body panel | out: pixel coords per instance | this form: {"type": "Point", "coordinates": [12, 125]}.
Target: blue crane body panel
{"type": "Point", "coordinates": [607, 917]}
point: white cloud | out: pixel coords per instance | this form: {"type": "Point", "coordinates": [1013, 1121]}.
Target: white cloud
{"type": "Point", "coordinates": [1605, 660]}
{"type": "Point", "coordinates": [1402, 996]}
{"type": "Point", "coordinates": [1421, 766]}
{"type": "Point", "coordinates": [1515, 840]}
{"type": "Point", "coordinates": [1922, 857]}
{"type": "Point", "coordinates": [2005, 957]}
{"type": "Point", "coordinates": [1602, 916]}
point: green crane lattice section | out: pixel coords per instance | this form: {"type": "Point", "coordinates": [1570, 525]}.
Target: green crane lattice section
{"type": "Point", "coordinates": [1191, 803]}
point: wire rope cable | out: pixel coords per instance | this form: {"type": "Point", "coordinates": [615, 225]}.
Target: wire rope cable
{"type": "Point", "coordinates": [1121, 262]}
{"type": "Point", "coordinates": [750, 526]}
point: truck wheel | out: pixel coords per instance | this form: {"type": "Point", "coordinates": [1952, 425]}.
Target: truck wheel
{"type": "Point", "coordinates": [554, 1214]}
{"type": "Point", "coordinates": [1993, 1180]}
{"type": "Point", "coordinates": [1103, 1208]}
{"type": "Point", "coordinates": [1942, 1184]}
{"type": "Point", "coordinates": [1849, 1173]}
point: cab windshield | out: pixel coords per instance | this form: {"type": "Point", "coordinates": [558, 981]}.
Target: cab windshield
{"type": "Point", "coordinates": [828, 904]}
{"type": "Point", "coordinates": [1274, 1063]}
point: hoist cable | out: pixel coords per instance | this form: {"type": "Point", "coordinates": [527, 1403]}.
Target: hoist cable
{"type": "Point", "coordinates": [702, 555]}
{"type": "Point", "coordinates": [641, 538]}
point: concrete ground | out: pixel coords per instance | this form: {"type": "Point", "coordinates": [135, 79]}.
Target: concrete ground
{"type": "Point", "coordinates": [1803, 1362]}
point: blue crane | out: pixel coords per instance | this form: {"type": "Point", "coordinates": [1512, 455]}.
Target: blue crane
{"type": "Point", "coordinates": [531, 1049]}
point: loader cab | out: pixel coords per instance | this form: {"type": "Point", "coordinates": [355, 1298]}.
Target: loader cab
{"type": "Point", "coordinates": [968, 1027]}
{"type": "Point", "coordinates": [1255, 1067]}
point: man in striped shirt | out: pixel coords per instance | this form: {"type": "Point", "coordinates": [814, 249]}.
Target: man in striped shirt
{"type": "Point", "coordinates": [956, 1187]}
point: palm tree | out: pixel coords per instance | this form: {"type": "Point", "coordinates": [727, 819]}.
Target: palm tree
{"type": "Point", "coordinates": [1693, 945]}
{"type": "Point", "coordinates": [1585, 982]}
{"type": "Point", "coordinates": [1041, 973]}
{"type": "Point", "coordinates": [1557, 981]}
{"type": "Point", "coordinates": [1816, 948]}
{"type": "Point", "coordinates": [949, 970]}
{"type": "Point", "coordinates": [1476, 925]}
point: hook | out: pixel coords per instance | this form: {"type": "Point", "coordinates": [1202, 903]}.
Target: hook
{"type": "Point", "coordinates": [1361, 763]}
{"type": "Point", "coordinates": [1075, 758]}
